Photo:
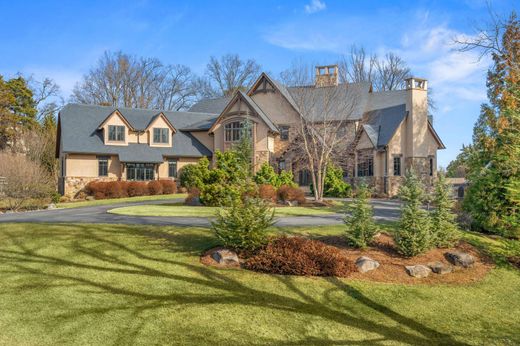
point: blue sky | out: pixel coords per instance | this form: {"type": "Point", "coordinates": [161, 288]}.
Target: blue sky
{"type": "Point", "coordinates": [62, 39]}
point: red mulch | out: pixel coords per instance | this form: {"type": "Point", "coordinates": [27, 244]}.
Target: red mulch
{"type": "Point", "coordinates": [392, 265]}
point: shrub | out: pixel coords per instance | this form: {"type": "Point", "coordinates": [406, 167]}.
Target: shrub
{"type": "Point", "coordinates": [192, 195]}
{"type": "Point", "coordinates": [243, 225]}
{"type": "Point", "coordinates": [194, 175]}
{"type": "Point", "coordinates": [300, 256]}
{"type": "Point", "coordinates": [334, 185]}
{"type": "Point", "coordinates": [219, 195]}
{"type": "Point", "coordinates": [286, 178]}
{"type": "Point", "coordinates": [267, 192]}
{"type": "Point", "coordinates": [266, 175]}
{"type": "Point", "coordinates": [443, 227]}
{"type": "Point", "coordinates": [361, 228]}
{"type": "Point", "coordinates": [413, 236]}
{"type": "Point", "coordinates": [137, 188]}
{"type": "Point", "coordinates": [155, 187]}
{"type": "Point", "coordinates": [168, 186]}
{"type": "Point", "coordinates": [113, 189]}
{"type": "Point", "coordinates": [288, 193]}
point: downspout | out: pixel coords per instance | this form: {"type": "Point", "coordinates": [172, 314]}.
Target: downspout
{"type": "Point", "coordinates": [385, 179]}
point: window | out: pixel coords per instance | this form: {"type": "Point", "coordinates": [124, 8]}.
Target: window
{"type": "Point", "coordinates": [304, 177]}
{"type": "Point", "coordinates": [281, 165]}
{"type": "Point", "coordinates": [116, 133]}
{"type": "Point", "coordinates": [233, 131]}
{"type": "Point", "coordinates": [431, 166]}
{"type": "Point", "coordinates": [172, 168]}
{"type": "Point", "coordinates": [102, 166]}
{"type": "Point", "coordinates": [397, 166]}
{"type": "Point", "coordinates": [366, 167]}
{"type": "Point", "coordinates": [139, 171]}
{"type": "Point", "coordinates": [284, 133]}
{"type": "Point", "coordinates": [160, 135]}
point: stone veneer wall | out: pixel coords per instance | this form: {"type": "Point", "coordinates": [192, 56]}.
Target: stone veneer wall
{"type": "Point", "coordinates": [73, 185]}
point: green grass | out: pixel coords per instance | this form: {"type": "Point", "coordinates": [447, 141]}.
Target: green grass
{"type": "Point", "coordinates": [177, 209]}
{"type": "Point", "coordinates": [119, 200]}
{"type": "Point", "coordinates": [118, 285]}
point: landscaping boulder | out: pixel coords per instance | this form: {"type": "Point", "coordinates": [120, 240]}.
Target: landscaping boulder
{"type": "Point", "coordinates": [461, 259]}
{"type": "Point", "coordinates": [418, 271]}
{"type": "Point", "coordinates": [365, 264]}
{"type": "Point", "coordinates": [225, 256]}
{"type": "Point", "coordinates": [194, 202]}
{"type": "Point", "coordinates": [51, 206]}
{"type": "Point", "coordinates": [291, 203]}
{"type": "Point", "coordinates": [440, 268]}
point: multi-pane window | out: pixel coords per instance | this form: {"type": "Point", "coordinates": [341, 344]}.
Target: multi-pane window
{"type": "Point", "coordinates": [431, 166]}
{"type": "Point", "coordinates": [281, 165]}
{"type": "Point", "coordinates": [397, 165]}
{"type": "Point", "coordinates": [102, 166]}
{"type": "Point", "coordinates": [233, 131]}
{"type": "Point", "coordinates": [284, 133]}
{"type": "Point", "coordinates": [304, 177]}
{"type": "Point", "coordinates": [139, 171]}
{"type": "Point", "coordinates": [366, 167]}
{"type": "Point", "coordinates": [172, 168]}
{"type": "Point", "coordinates": [160, 135]}
{"type": "Point", "coordinates": [116, 133]}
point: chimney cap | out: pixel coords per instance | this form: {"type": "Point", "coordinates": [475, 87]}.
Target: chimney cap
{"type": "Point", "coordinates": [416, 83]}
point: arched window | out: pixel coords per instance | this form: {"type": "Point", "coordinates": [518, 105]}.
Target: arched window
{"type": "Point", "coordinates": [233, 131]}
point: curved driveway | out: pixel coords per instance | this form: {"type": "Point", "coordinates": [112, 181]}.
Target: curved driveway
{"type": "Point", "coordinates": [385, 210]}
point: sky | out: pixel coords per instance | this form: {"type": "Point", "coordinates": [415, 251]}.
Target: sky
{"type": "Point", "coordinates": [63, 39]}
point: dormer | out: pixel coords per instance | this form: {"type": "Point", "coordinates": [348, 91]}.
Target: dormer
{"type": "Point", "coordinates": [116, 129]}
{"type": "Point", "coordinates": [160, 131]}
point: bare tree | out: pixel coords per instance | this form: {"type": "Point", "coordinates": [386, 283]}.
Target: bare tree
{"type": "Point", "coordinates": [391, 73]}
{"type": "Point", "coordinates": [231, 73]}
{"type": "Point", "coordinates": [324, 113]}
{"type": "Point", "coordinates": [123, 80]}
{"type": "Point", "coordinates": [357, 66]}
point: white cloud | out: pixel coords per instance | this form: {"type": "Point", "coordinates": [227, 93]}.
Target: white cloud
{"type": "Point", "coordinates": [315, 6]}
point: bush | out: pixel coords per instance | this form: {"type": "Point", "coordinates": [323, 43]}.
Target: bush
{"type": "Point", "coordinates": [413, 236]}
{"type": "Point", "coordinates": [155, 187]}
{"type": "Point", "coordinates": [137, 188]}
{"type": "Point", "coordinates": [443, 227]}
{"type": "Point", "coordinates": [113, 189]}
{"type": "Point", "coordinates": [334, 185]}
{"type": "Point", "coordinates": [243, 225]}
{"type": "Point", "coordinates": [219, 195]}
{"type": "Point", "coordinates": [194, 175]}
{"type": "Point", "coordinates": [168, 186]}
{"type": "Point", "coordinates": [300, 256]}
{"type": "Point", "coordinates": [288, 193]}
{"type": "Point", "coordinates": [266, 175]}
{"type": "Point", "coordinates": [286, 178]}
{"type": "Point", "coordinates": [267, 192]}
{"type": "Point", "coordinates": [361, 228]}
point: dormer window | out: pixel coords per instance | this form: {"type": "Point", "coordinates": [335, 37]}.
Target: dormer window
{"type": "Point", "coordinates": [116, 133]}
{"type": "Point", "coordinates": [160, 135]}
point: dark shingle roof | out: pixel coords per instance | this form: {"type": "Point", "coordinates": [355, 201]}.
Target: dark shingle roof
{"type": "Point", "coordinates": [212, 106]}
{"type": "Point", "coordinates": [381, 124]}
{"type": "Point", "coordinates": [79, 133]}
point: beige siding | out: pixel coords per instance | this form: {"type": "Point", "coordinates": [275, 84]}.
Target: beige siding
{"type": "Point", "coordinates": [78, 165]}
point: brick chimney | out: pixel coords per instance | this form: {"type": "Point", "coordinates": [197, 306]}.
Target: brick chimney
{"type": "Point", "coordinates": [326, 76]}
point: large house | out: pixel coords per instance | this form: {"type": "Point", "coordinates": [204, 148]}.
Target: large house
{"type": "Point", "coordinates": [387, 133]}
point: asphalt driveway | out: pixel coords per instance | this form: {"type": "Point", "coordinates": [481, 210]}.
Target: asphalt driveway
{"type": "Point", "coordinates": [384, 210]}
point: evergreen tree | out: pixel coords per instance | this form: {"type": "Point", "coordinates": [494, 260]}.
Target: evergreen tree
{"type": "Point", "coordinates": [413, 236]}
{"type": "Point", "coordinates": [444, 229]}
{"type": "Point", "coordinates": [494, 163]}
{"type": "Point", "coordinates": [361, 228]}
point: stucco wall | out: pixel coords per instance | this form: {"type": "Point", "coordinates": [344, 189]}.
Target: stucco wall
{"type": "Point", "coordinates": [205, 139]}
{"type": "Point", "coordinates": [78, 165]}
{"type": "Point", "coordinates": [159, 122]}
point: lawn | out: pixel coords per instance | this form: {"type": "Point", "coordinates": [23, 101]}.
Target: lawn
{"type": "Point", "coordinates": [177, 209]}
{"type": "Point", "coordinates": [109, 284]}
{"type": "Point", "coordinates": [119, 200]}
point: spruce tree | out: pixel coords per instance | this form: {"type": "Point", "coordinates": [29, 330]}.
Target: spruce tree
{"type": "Point", "coordinates": [413, 236]}
{"type": "Point", "coordinates": [443, 226]}
{"type": "Point", "coordinates": [361, 228]}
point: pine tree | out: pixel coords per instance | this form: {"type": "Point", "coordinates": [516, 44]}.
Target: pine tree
{"type": "Point", "coordinates": [413, 236]}
{"type": "Point", "coordinates": [361, 228]}
{"type": "Point", "coordinates": [443, 227]}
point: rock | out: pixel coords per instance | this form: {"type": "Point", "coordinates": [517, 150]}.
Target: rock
{"type": "Point", "coordinates": [440, 268]}
{"type": "Point", "coordinates": [51, 206]}
{"type": "Point", "coordinates": [365, 264]}
{"type": "Point", "coordinates": [418, 271]}
{"type": "Point", "coordinates": [194, 202]}
{"type": "Point", "coordinates": [225, 256]}
{"type": "Point", "coordinates": [459, 258]}
{"type": "Point", "coordinates": [90, 198]}
{"type": "Point", "coordinates": [291, 203]}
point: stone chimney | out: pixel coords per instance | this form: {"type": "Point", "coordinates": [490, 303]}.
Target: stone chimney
{"type": "Point", "coordinates": [326, 76]}
{"type": "Point", "coordinates": [417, 120]}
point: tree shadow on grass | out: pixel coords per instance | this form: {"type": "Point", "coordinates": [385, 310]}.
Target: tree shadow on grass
{"type": "Point", "coordinates": [209, 287]}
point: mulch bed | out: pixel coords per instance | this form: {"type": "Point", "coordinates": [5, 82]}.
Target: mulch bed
{"type": "Point", "coordinates": [392, 265]}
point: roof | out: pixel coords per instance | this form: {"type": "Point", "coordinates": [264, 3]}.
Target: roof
{"type": "Point", "coordinates": [212, 106]}
{"type": "Point", "coordinates": [314, 100]}
{"type": "Point", "coordinates": [79, 132]}
{"type": "Point", "coordinates": [381, 124]}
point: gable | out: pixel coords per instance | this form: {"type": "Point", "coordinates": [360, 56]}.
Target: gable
{"type": "Point", "coordinates": [160, 120]}
{"type": "Point", "coordinates": [115, 118]}
{"type": "Point", "coordinates": [364, 141]}
{"type": "Point", "coordinates": [435, 136]}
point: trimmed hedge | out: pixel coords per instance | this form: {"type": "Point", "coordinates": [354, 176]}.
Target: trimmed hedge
{"type": "Point", "coordinates": [120, 189]}
{"type": "Point", "coordinates": [300, 256]}
{"type": "Point", "coordinates": [289, 193]}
